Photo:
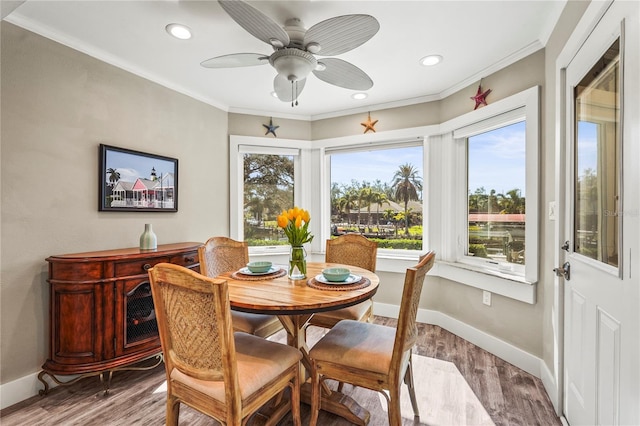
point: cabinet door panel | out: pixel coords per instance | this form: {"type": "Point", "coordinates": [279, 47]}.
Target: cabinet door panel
{"type": "Point", "coordinates": [135, 320]}
{"type": "Point", "coordinates": [78, 315]}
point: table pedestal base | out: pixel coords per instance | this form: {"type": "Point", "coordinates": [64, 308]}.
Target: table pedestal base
{"type": "Point", "coordinates": [339, 404]}
{"type": "Point", "coordinates": [332, 401]}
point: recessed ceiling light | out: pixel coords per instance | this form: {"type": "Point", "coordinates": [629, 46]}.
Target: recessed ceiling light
{"type": "Point", "coordinates": [359, 96]}
{"type": "Point", "coordinates": [179, 31]}
{"type": "Point", "coordinates": [274, 94]}
{"type": "Point", "coordinates": [431, 60]}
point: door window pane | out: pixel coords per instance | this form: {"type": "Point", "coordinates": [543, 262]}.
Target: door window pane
{"type": "Point", "coordinates": [597, 130]}
{"type": "Point", "coordinates": [268, 189]}
{"type": "Point", "coordinates": [496, 194]}
{"type": "Point", "coordinates": [378, 194]}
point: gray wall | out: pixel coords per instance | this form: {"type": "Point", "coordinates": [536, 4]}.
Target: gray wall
{"type": "Point", "coordinates": [58, 105]}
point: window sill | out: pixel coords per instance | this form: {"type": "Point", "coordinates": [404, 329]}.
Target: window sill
{"type": "Point", "coordinates": [508, 285]}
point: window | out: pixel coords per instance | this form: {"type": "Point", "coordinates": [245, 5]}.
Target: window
{"type": "Point", "coordinates": [268, 189]}
{"type": "Point", "coordinates": [487, 162]}
{"type": "Point", "coordinates": [597, 158]}
{"type": "Point", "coordinates": [264, 181]}
{"type": "Point", "coordinates": [466, 184]}
{"type": "Point", "coordinates": [496, 195]}
{"type": "Point", "coordinates": [377, 192]}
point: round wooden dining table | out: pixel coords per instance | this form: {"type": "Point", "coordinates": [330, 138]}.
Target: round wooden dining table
{"type": "Point", "coordinates": [294, 302]}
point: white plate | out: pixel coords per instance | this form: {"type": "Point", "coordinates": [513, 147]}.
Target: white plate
{"type": "Point", "coordinates": [271, 270]}
{"type": "Point", "coordinates": [350, 280]}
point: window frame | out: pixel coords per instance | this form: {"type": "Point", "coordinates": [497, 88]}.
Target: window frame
{"type": "Point", "coordinates": [241, 145]}
{"type": "Point", "coordinates": [450, 146]}
{"type": "Point", "coordinates": [444, 161]}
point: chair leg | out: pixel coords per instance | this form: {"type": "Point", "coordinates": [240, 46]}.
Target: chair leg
{"type": "Point", "coordinates": [173, 411]}
{"type": "Point", "coordinates": [295, 400]}
{"type": "Point", "coordinates": [395, 416]}
{"type": "Point", "coordinates": [315, 395]}
{"type": "Point", "coordinates": [408, 379]}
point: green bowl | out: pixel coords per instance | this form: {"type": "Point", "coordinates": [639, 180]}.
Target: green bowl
{"type": "Point", "coordinates": [336, 274]}
{"type": "Point", "coordinates": [259, 266]}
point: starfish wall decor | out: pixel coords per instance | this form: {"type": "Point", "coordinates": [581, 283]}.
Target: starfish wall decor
{"type": "Point", "coordinates": [270, 128]}
{"type": "Point", "coordinates": [480, 97]}
{"type": "Point", "coordinates": [369, 125]}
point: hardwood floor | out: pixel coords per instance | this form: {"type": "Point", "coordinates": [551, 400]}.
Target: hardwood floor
{"type": "Point", "coordinates": [508, 395]}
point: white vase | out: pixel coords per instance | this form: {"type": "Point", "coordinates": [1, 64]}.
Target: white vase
{"type": "Point", "coordinates": [148, 239]}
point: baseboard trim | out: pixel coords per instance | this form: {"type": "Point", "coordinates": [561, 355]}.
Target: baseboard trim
{"type": "Point", "coordinates": [550, 385]}
{"type": "Point", "coordinates": [506, 351]}
{"type": "Point", "coordinates": [18, 390]}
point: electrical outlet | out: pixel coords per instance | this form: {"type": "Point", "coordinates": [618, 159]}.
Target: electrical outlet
{"type": "Point", "coordinates": [486, 297]}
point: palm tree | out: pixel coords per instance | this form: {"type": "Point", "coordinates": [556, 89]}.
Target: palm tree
{"type": "Point", "coordinates": [114, 176]}
{"type": "Point", "coordinates": [378, 198]}
{"type": "Point", "coordinates": [365, 199]}
{"type": "Point", "coordinates": [513, 202]}
{"type": "Point", "coordinates": [406, 185]}
{"type": "Point", "coordinates": [347, 202]}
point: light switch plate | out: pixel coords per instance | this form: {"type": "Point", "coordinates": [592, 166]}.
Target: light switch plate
{"type": "Point", "coordinates": [486, 297]}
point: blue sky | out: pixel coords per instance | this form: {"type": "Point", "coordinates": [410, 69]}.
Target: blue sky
{"type": "Point", "coordinates": [374, 165]}
{"type": "Point", "coordinates": [497, 161]}
{"type": "Point", "coordinates": [131, 166]}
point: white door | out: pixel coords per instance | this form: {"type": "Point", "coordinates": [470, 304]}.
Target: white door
{"type": "Point", "coordinates": [601, 297]}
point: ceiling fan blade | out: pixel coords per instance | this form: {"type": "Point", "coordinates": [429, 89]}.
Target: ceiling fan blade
{"type": "Point", "coordinates": [255, 22]}
{"type": "Point", "coordinates": [236, 60]}
{"type": "Point", "coordinates": [344, 74]}
{"type": "Point", "coordinates": [342, 33]}
{"type": "Point", "coordinates": [285, 90]}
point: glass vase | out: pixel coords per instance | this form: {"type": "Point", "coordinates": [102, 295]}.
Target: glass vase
{"type": "Point", "coordinates": [297, 263]}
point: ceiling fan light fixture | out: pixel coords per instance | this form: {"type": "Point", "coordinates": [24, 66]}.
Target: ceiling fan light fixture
{"type": "Point", "coordinates": [431, 60]}
{"type": "Point", "coordinates": [293, 64]}
{"type": "Point", "coordinates": [179, 31]}
{"type": "Point", "coordinates": [359, 96]}
{"type": "Point", "coordinates": [320, 66]}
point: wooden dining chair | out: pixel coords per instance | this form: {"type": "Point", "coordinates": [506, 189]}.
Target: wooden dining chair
{"type": "Point", "coordinates": [354, 250]}
{"type": "Point", "coordinates": [224, 374]}
{"type": "Point", "coordinates": [222, 254]}
{"type": "Point", "coordinates": [370, 355]}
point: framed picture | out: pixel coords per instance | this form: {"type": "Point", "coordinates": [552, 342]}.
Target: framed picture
{"type": "Point", "coordinates": [137, 181]}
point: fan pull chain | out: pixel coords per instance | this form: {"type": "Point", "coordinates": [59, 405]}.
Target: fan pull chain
{"type": "Point", "coordinates": [294, 93]}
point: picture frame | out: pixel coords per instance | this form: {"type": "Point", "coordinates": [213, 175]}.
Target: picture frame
{"type": "Point", "coordinates": [136, 181]}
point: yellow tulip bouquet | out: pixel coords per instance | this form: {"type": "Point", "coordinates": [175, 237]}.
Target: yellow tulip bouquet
{"type": "Point", "coordinates": [295, 224]}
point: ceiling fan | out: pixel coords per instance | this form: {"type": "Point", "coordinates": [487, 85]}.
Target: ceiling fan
{"type": "Point", "coordinates": [295, 48]}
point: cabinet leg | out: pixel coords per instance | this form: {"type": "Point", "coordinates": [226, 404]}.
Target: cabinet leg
{"type": "Point", "coordinates": [105, 376]}
{"type": "Point", "coordinates": [106, 383]}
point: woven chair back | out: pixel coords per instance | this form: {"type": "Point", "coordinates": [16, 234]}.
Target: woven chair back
{"type": "Point", "coordinates": [352, 249]}
{"type": "Point", "coordinates": [193, 314]}
{"type": "Point", "coordinates": [222, 254]}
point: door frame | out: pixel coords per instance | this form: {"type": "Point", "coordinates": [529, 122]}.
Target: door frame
{"type": "Point", "coordinates": [592, 16]}
{"type": "Point", "coordinates": [560, 207]}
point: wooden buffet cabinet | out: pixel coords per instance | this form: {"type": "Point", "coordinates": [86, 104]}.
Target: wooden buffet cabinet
{"type": "Point", "coordinates": [101, 310]}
